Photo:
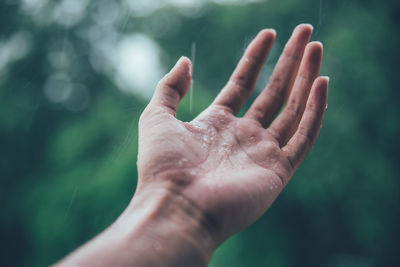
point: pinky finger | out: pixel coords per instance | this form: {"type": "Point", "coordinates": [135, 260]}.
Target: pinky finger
{"type": "Point", "coordinates": [304, 138]}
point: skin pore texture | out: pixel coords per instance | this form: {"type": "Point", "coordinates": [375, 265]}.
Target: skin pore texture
{"type": "Point", "coordinates": [202, 181]}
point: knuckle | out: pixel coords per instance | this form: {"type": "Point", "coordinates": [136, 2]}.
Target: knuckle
{"type": "Point", "coordinates": [294, 110]}
{"type": "Point", "coordinates": [241, 83]}
{"type": "Point", "coordinates": [276, 81]}
{"type": "Point", "coordinates": [306, 135]}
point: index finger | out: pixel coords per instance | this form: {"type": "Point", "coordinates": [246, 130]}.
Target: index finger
{"type": "Point", "coordinates": [241, 83]}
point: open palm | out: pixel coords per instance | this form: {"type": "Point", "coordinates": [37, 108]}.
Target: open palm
{"type": "Point", "coordinates": [233, 168]}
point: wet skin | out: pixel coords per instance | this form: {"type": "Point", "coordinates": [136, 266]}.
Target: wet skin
{"type": "Point", "coordinates": [204, 180]}
{"type": "Point", "coordinates": [221, 162]}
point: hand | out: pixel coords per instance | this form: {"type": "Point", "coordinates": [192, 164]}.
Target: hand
{"type": "Point", "coordinates": [233, 168]}
{"type": "Point", "coordinates": [201, 181]}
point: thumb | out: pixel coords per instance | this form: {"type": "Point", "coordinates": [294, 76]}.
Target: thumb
{"type": "Point", "coordinates": [172, 88]}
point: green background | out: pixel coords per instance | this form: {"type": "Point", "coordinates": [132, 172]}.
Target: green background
{"type": "Point", "coordinates": [68, 133]}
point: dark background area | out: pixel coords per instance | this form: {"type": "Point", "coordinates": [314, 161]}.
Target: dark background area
{"type": "Point", "coordinates": [76, 74]}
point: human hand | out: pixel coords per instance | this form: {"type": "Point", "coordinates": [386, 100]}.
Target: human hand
{"type": "Point", "coordinates": [202, 181]}
{"type": "Point", "coordinates": [232, 168]}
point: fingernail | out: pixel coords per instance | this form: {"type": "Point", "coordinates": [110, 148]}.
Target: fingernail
{"type": "Point", "coordinates": [266, 30]}
{"type": "Point", "coordinates": [326, 78]}
{"type": "Point", "coordinates": [310, 25]}
{"type": "Point", "coordinates": [272, 30]}
{"type": "Point", "coordinates": [318, 42]}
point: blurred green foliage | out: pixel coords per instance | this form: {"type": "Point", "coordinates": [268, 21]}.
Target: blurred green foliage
{"type": "Point", "coordinates": [68, 134]}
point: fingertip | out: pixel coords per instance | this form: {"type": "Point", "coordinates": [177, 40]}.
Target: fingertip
{"type": "Point", "coordinates": [273, 31]}
{"type": "Point", "coordinates": [267, 32]}
{"type": "Point", "coordinates": [321, 87]}
{"type": "Point", "coordinates": [315, 45]}
{"type": "Point", "coordinates": [188, 66]}
{"type": "Point", "coordinates": [266, 36]}
{"type": "Point", "coordinates": [185, 60]}
{"type": "Point", "coordinates": [315, 49]}
{"type": "Point", "coordinates": [177, 80]}
{"type": "Point", "coordinates": [183, 63]}
{"type": "Point", "coordinates": [302, 32]}
{"type": "Point", "coordinates": [305, 26]}
{"type": "Point", "coordinates": [326, 78]}
{"type": "Point", "coordinates": [182, 69]}
{"type": "Point", "coordinates": [324, 81]}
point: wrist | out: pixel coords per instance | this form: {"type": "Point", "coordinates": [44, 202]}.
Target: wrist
{"type": "Point", "coordinates": [168, 225]}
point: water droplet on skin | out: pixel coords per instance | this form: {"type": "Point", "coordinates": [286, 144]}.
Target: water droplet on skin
{"type": "Point", "coordinates": [199, 125]}
{"type": "Point", "coordinates": [206, 139]}
{"type": "Point", "coordinates": [232, 82]}
{"type": "Point", "coordinates": [182, 162]}
{"type": "Point", "coordinates": [326, 107]}
{"type": "Point", "coordinates": [252, 139]}
{"type": "Point", "coordinates": [222, 112]}
{"type": "Point", "coordinates": [271, 187]}
{"type": "Point", "coordinates": [224, 149]}
{"type": "Point", "coordinates": [246, 59]}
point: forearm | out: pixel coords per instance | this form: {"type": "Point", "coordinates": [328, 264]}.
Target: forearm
{"type": "Point", "coordinates": [159, 228]}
